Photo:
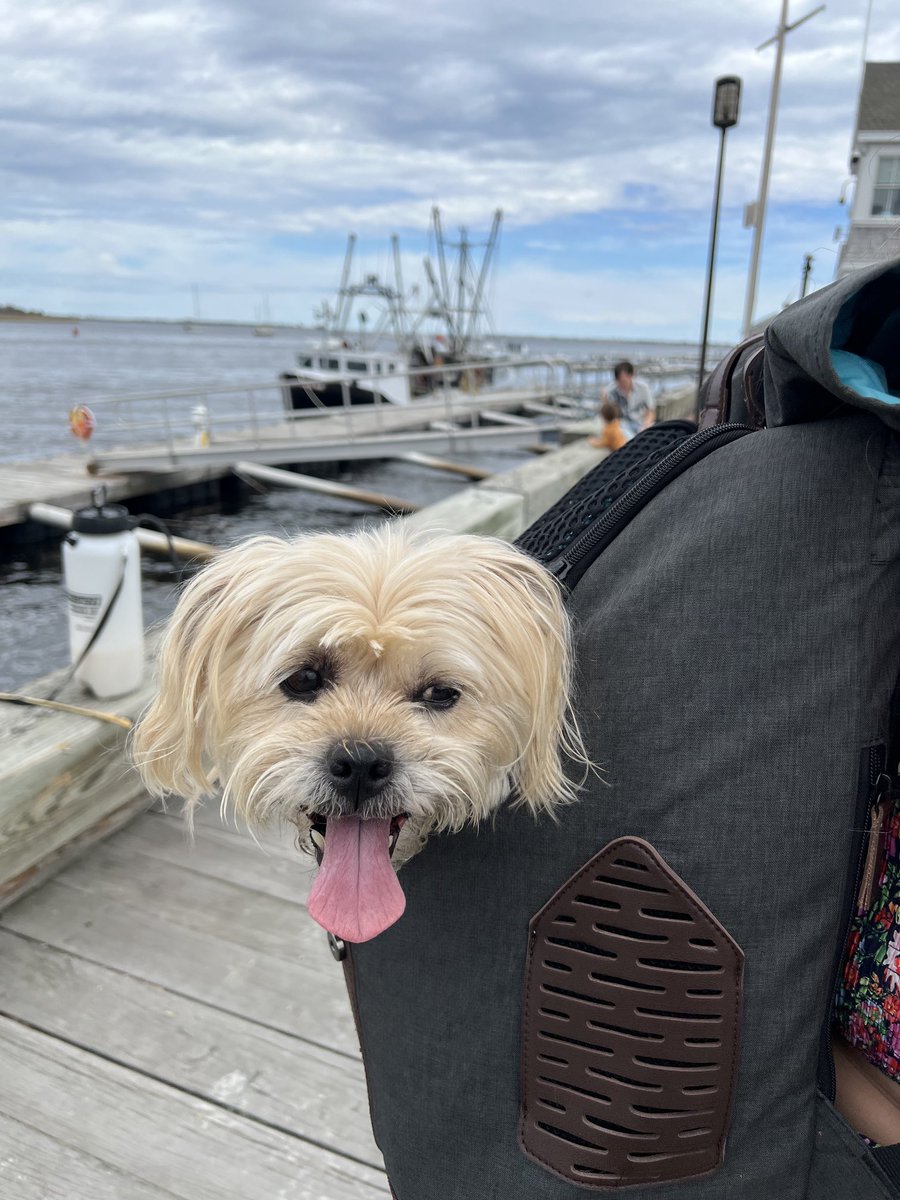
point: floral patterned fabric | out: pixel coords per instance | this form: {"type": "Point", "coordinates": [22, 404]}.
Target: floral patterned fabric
{"type": "Point", "coordinates": [867, 1002]}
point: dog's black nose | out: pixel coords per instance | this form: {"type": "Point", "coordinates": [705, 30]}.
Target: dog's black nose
{"type": "Point", "coordinates": [359, 770]}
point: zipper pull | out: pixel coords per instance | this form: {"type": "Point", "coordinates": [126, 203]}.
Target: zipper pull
{"type": "Point", "coordinates": [559, 568]}
{"type": "Point", "coordinates": [876, 823]}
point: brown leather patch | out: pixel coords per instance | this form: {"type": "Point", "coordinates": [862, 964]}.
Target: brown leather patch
{"type": "Point", "coordinates": [630, 1036]}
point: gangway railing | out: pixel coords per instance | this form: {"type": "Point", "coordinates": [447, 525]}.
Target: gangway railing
{"type": "Point", "coordinates": [183, 422]}
{"type": "Point", "coordinates": [255, 411]}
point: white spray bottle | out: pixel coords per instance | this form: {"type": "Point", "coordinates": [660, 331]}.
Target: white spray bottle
{"type": "Point", "coordinates": [102, 574]}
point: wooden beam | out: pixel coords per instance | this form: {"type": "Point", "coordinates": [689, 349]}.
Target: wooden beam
{"type": "Point", "coordinates": [308, 483]}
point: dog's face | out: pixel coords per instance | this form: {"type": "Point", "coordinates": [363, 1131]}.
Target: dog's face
{"type": "Point", "coordinates": [366, 688]}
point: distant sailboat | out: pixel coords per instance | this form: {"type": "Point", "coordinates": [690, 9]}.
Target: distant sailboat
{"type": "Point", "coordinates": [191, 326]}
{"type": "Point", "coordinates": [264, 328]}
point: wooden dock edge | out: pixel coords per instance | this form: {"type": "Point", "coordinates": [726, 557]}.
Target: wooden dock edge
{"type": "Point", "coordinates": [66, 781]}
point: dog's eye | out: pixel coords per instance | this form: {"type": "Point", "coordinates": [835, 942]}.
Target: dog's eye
{"type": "Point", "coordinates": [438, 695]}
{"type": "Point", "coordinates": [304, 684]}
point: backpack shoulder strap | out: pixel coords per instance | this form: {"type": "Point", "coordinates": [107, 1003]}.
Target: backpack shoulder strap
{"type": "Point", "coordinates": [734, 390]}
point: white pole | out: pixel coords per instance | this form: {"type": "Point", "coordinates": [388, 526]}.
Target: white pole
{"type": "Point", "coordinates": [759, 214]}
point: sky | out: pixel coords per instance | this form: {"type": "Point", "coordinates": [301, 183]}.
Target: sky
{"type": "Point", "coordinates": [169, 158]}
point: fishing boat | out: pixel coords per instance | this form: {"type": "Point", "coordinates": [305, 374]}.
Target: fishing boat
{"type": "Point", "coordinates": [407, 351]}
{"type": "Point", "coordinates": [335, 374]}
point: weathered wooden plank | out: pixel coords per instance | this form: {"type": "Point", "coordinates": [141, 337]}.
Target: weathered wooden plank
{"type": "Point", "coordinates": [59, 776]}
{"type": "Point", "coordinates": [310, 1092]}
{"type": "Point", "coordinates": [35, 1166]}
{"type": "Point", "coordinates": [208, 816]}
{"type": "Point", "coordinates": [64, 781]}
{"type": "Point", "coordinates": [53, 860]}
{"type": "Point", "coordinates": [281, 870]}
{"type": "Point", "coordinates": [174, 1142]}
{"type": "Point", "coordinates": [179, 896]}
{"type": "Point", "coordinates": [304, 997]}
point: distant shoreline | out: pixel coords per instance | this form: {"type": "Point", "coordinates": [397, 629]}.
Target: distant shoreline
{"type": "Point", "coordinates": [12, 315]}
{"type": "Point", "coordinates": [9, 312]}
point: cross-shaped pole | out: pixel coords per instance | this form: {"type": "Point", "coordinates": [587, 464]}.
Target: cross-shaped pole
{"type": "Point", "coordinates": [757, 212]}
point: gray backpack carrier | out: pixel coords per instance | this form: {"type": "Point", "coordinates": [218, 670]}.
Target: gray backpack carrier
{"type": "Point", "coordinates": [639, 996]}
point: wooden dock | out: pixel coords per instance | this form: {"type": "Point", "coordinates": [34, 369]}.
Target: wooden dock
{"type": "Point", "coordinates": [173, 1025]}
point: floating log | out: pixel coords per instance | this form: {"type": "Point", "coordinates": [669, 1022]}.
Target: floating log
{"type": "Point", "coordinates": [443, 464]}
{"type": "Point", "coordinates": [148, 539]}
{"type": "Point", "coordinates": [308, 483]}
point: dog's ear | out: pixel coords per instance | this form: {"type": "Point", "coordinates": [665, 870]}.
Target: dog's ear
{"type": "Point", "coordinates": [172, 742]}
{"type": "Point", "coordinates": [531, 626]}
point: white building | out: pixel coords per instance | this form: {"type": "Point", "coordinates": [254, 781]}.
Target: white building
{"type": "Point", "coordinates": [874, 233]}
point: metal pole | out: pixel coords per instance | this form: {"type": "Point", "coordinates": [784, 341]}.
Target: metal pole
{"type": "Point", "coordinates": [711, 265]}
{"type": "Point", "coordinates": [807, 267]}
{"type": "Point", "coordinates": [759, 214]}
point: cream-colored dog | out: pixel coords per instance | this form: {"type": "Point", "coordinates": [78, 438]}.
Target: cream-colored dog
{"type": "Point", "coordinates": [359, 685]}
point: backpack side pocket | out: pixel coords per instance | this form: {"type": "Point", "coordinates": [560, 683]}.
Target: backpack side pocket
{"type": "Point", "coordinates": [630, 1028]}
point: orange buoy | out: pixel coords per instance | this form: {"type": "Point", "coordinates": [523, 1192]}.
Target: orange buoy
{"type": "Point", "coordinates": [81, 421]}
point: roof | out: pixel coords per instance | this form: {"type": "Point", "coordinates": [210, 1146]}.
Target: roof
{"type": "Point", "coordinates": [879, 101]}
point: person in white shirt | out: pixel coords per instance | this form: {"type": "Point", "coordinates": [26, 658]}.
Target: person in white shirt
{"type": "Point", "coordinates": [632, 397]}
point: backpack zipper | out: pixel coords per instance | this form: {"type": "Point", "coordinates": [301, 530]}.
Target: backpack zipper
{"type": "Point", "coordinates": [597, 536]}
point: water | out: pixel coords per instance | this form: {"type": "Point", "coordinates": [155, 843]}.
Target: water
{"type": "Point", "coordinates": [45, 370]}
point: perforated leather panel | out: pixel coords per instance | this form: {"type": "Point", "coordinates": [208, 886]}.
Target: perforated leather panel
{"type": "Point", "coordinates": [630, 1030]}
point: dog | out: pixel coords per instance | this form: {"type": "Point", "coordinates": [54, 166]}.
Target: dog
{"type": "Point", "coordinates": [371, 688]}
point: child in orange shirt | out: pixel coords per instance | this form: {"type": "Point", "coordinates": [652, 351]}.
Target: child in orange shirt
{"type": "Point", "coordinates": [612, 435]}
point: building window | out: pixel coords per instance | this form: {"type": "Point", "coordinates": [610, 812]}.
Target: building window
{"type": "Point", "coordinates": [886, 197]}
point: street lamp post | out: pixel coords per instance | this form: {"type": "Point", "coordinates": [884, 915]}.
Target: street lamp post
{"type": "Point", "coordinates": [725, 113]}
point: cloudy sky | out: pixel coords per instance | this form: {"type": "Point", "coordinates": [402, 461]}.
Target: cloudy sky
{"type": "Point", "coordinates": [161, 153]}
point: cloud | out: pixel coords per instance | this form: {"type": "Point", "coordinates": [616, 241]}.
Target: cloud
{"type": "Point", "coordinates": [234, 146]}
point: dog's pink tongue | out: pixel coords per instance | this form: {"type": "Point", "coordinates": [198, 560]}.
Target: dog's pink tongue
{"type": "Point", "coordinates": [356, 895]}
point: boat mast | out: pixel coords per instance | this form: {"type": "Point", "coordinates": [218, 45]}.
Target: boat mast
{"type": "Point", "coordinates": [399, 309]}
{"type": "Point", "coordinates": [446, 310]}
{"type": "Point", "coordinates": [483, 274]}
{"type": "Point", "coordinates": [344, 297]}
{"type": "Point", "coordinates": [463, 267]}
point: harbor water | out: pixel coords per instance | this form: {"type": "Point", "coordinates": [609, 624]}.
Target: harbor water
{"type": "Point", "coordinates": [47, 367]}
